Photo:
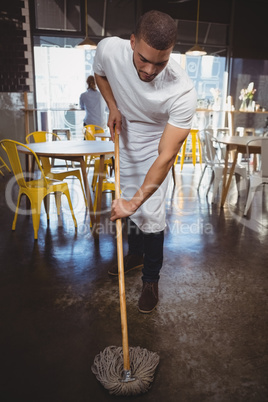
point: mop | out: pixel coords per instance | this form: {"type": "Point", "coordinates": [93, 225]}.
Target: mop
{"type": "Point", "coordinates": [124, 370]}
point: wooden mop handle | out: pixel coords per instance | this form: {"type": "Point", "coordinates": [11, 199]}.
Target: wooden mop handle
{"type": "Point", "coordinates": [120, 262]}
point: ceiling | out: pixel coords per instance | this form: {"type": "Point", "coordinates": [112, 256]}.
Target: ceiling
{"type": "Point", "coordinates": [226, 27]}
{"type": "Point", "coordinates": [240, 24]}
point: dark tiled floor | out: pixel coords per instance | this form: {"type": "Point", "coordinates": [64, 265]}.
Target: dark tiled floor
{"type": "Point", "coordinates": [59, 308]}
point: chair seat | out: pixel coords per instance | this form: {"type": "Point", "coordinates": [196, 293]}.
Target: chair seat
{"type": "Point", "coordinates": [44, 183]}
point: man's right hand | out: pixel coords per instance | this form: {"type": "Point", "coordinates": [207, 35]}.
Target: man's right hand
{"type": "Point", "coordinates": [114, 120]}
{"type": "Point", "coordinates": [115, 117]}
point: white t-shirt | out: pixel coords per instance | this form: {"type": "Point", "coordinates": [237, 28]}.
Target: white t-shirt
{"type": "Point", "coordinates": [146, 107]}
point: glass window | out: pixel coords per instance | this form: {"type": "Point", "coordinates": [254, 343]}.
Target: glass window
{"type": "Point", "coordinates": [210, 80]}
{"type": "Point", "coordinates": [61, 71]}
{"type": "Point", "coordinates": [60, 78]}
{"type": "Point", "coordinates": [61, 15]}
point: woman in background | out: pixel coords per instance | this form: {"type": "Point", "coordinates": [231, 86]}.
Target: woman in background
{"type": "Point", "coordinates": [93, 103]}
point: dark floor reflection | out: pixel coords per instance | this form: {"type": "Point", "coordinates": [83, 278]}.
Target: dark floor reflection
{"type": "Point", "coordinates": [59, 308]}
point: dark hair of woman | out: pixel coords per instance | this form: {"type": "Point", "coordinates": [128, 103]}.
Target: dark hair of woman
{"type": "Point", "coordinates": [91, 83]}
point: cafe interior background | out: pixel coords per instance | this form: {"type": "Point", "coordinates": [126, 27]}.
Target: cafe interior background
{"type": "Point", "coordinates": [42, 68]}
{"type": "Point", "coordinates": [58, 306]}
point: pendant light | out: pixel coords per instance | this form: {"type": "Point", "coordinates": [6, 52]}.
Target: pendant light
{"type": "Point", "coordinates": [87, 43]}
{"type": "Point", "coordinates": [196, 50]}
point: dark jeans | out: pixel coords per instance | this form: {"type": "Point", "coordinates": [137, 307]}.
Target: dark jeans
{"type": "Point", "coordinates": [150, 245]}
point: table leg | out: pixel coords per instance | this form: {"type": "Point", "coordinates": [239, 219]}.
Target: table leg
{"type": "Point", "coordinates": [225, 186]}
{"type": "Point", "coordinates": [29, 166]}
{"type": "Point", "coordinates": [87, 190]}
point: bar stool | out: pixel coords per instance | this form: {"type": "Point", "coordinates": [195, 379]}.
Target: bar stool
{"type": "Point", "coordinates": [62, 131]}
{"type": "Point", "coordinates": [183, 153]}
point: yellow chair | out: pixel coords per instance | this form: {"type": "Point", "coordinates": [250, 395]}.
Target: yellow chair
{"type": "Point", "coordinates": [107, 185]}
{"type": "Point", "coordinates": [89, 132]}
{"type": "Point", "coordinates": [41, 136]}
{"type": "Point", "coordinates": [108, 182]}
{"type": "Point", "coordinates": [35, 190]}
{"type": "Point", "coordinates": [3, 164]}
{"type": "Point", "coordinates": [183, 153]}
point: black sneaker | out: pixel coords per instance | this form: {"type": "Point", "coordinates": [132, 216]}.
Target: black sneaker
{"type": "Point", "coordinates": [131, 261]}
{"type": "Point", "coordinates": [149, 297]}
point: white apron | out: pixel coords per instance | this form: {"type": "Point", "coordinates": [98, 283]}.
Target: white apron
{"type": "Point", "coordinates": [138, 150]}
{"type": "Point", "coordinates": [146, 107]}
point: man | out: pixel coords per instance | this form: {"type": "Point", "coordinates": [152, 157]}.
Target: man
{"type": "Point", "coordinates": [151, 101]}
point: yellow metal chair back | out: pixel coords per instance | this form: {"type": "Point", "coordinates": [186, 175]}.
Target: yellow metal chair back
{"type": "Point", "coordinates": [90, 130]}
{"type": "Point", "coordinates": [41, 136]}
{"type": "Point", "coordinates": [38, 136]}
{"type": "Point", "coordinates": [35, 190]}
{"type": "Point", "coordinates": [3, 164]}
{"type": "Point", "coordinates": [11, 149]}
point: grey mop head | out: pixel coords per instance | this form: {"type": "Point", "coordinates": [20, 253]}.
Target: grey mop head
{"type": "Point", "coordinates": [108, 368]}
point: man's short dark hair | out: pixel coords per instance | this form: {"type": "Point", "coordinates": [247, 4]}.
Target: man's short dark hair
{"type": "Point", "coordinates": [157, 29]}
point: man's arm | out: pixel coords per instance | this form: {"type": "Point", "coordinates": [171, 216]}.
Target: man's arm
{"type": "Point", "coordinates": [169, 146]}
{"type": "Point", "coordinates": [115, 117]}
